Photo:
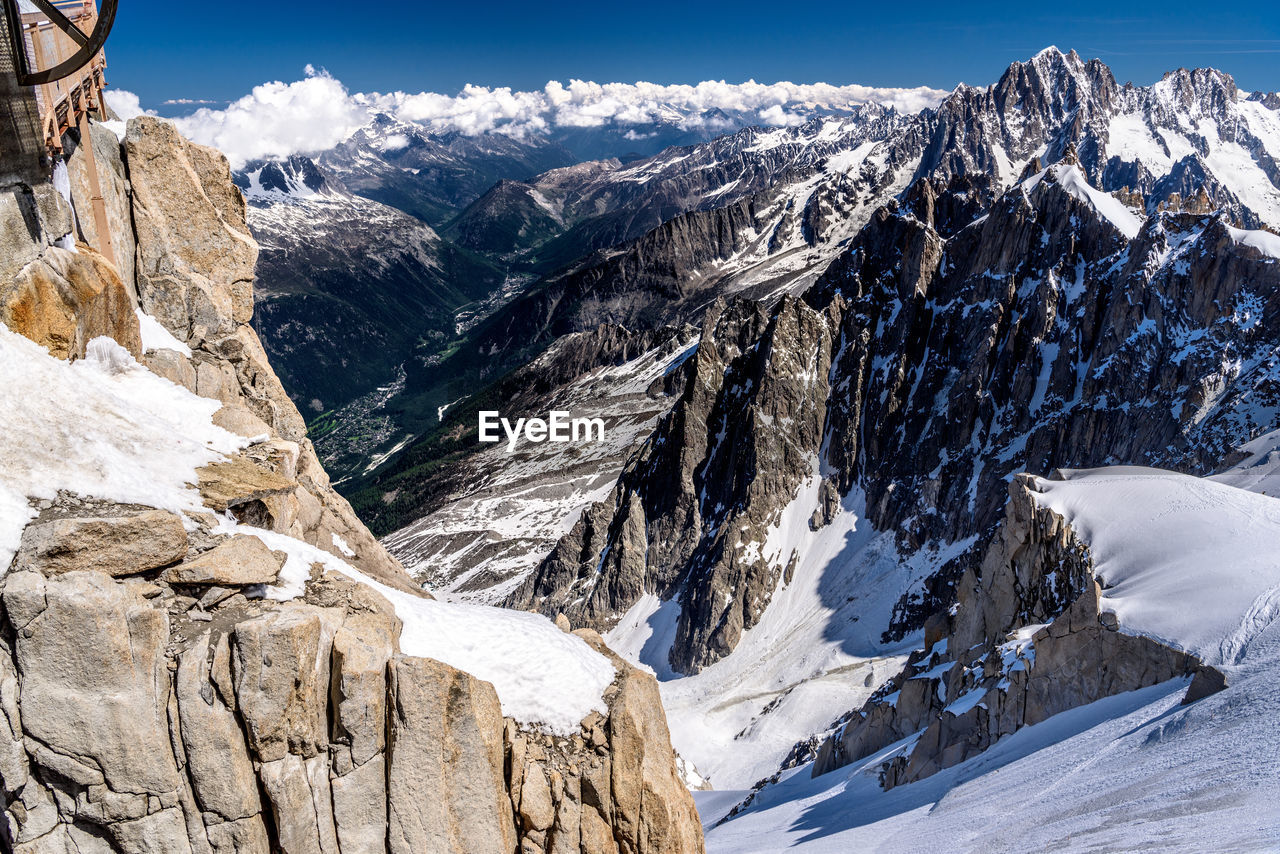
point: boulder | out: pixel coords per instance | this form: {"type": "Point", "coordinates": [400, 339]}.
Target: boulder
{"type": "Point", "coordinates": [174, 366]}
{"type": "Point", "coordinates": [653, 811]}
{"type": "Point", "coordinates": [237, 481]}
{"type": "Point", "coordinates": [195, 253]}
{"type": "Point", "coordinates": [237, 561]}
{"type": "Point", "coordinates": [239, 420]}
{"type": "Point", "coordinates": [447, 739]}
{"type": "Point", "coordinates": [217, 759]}
{"type": "Point", "coordinates": [118, 545]}
{"type": "Point", "coordinates": [359, 694]}
{"type": "Point", "coordinates": [65, 299]}
{"type": "Point", "coordinates": [161, 832]}
{"type": "Point", "coordinates": [247, 836]}
{"type": "Point", "coordinates": [360, 808]}
{"type": "Point", "coordinates": [536, 809]}
{"type": "Point", "coordinates": [280, 669]}
{"type": "Point", "coordinates": [94, 679]}
{"type": "Point", "coordinates": [301, 804]}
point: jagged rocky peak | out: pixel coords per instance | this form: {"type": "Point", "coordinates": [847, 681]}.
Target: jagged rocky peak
{"type": "Point", "coordinates": [1037, 108]}
{"type": "Point", "coordinates": [297, 177]}
{"type": "Point", "coordinates": [1198, 90]}
{"type": "Point", "coordinates": [689, 514]}
{"type": "Point", "coordinates": [762, 210]}
{"type": "Point", "coordinates": [205, 651]}
{"type": "Point", "coordinates": [1063, 86]}
{"type": "Point", "coordinates": [1060, 327]}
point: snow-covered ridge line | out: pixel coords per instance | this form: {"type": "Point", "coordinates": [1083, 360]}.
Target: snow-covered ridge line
{"type": "Point", "coordinates": [544, 677]}
{"type": "Point", "coordinates": [1070, 178]}
{"type": "Point", "coordinates": [1188, 561]}
{"type": "Point", "coordinates": [1266, 242]}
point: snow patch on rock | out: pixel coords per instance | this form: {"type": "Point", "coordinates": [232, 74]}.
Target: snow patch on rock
{"type": "Point", "coordinates": [544, 677]}
{"type": "Point", "coordinates": [134, 438]}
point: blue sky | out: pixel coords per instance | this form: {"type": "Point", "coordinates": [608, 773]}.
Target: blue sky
{"type": "Point", "coordinates": [218, 51]}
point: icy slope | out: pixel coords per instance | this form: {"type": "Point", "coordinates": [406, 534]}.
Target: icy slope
{"type": "Point", "coordinates": [1132, 772]}
{"type": "Point", "coordinates": [1259, 470]}
{"type": "Point", "coordinates": [134, 437]}
{"type": "Point", "coordinates": [1185, 560]}
{"type": "Point", "coordinates": [1108, 206]}
{"type": "Point", "coordinates": [1190, 560]}
{"type": "Point", "coordinates": [815, 653]}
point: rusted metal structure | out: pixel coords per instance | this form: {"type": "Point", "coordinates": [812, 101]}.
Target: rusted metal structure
{"type": "Point", "coordinates": [55, 46]}
{"type": "Point", "coordinates": [59, 49]}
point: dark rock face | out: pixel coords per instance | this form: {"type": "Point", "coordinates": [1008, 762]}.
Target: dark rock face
{"type": "Point", "coordinates": [1028, 640]}
{"type": "Point", "coordinates": [744, 431]}
{"type": "Point", "coordinates": [652, 282]}
{"type": "Point", "coordinates": [297, 172]}
{"type": "Point", "coordinates": [932, 369]}
{"type": "Point", "coordinates": [549, 249]}
{"type": "Point", "coordinates": [338, 315]}
{"type": "Point", "coordinates": [1042, 338]}
{"type": "Point", "coordinates": [740, 215]}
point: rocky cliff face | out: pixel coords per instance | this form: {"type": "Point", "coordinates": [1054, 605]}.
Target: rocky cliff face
{"type": "Point", "coordinates": [754, 213]}
{"type": "Point", "coordinates": [760, 213]}
{"type": "Point", "coordinates": [231, 677]}
{"type": "Point", "coordinates": [137, 720]}
{"type": "Point", "coordinates": [679, 521]}
{"type": "Point", "coordinates": [1027, 639]}
{"type": "Point", "coordinates": [195, 267]}
{"type": "Point", "coordinates": [928, 366]}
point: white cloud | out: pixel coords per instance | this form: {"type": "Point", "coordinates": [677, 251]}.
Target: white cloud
{"type": "Point", "coordinates": [278, 119]}
{"type": "Point", "coordinates": [395, 142]}
{"type": "Point", "coordinates": [125, 104]}
{"type": "Point", "coordinates": [314, 114]}
{"type": "Point", "coordinates": [778, 117]}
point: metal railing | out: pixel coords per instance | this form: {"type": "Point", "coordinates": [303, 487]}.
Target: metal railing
{"type": "Point", "coordinates": [64, 102]}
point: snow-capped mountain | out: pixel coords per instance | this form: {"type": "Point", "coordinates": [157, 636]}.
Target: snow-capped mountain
{"type": "Point", "coordinates": [899, 403]}
{"type": "Point", "coordinates": [769, 210]}
{"type": "Point", "coordinates": [1192, 131]}
{"type": "Point", "coordinates": [429, 175]}
{"type": "Point", "coordinates": [1000, 288]}
{"type": "Point", "coordinates": [757, 213]}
